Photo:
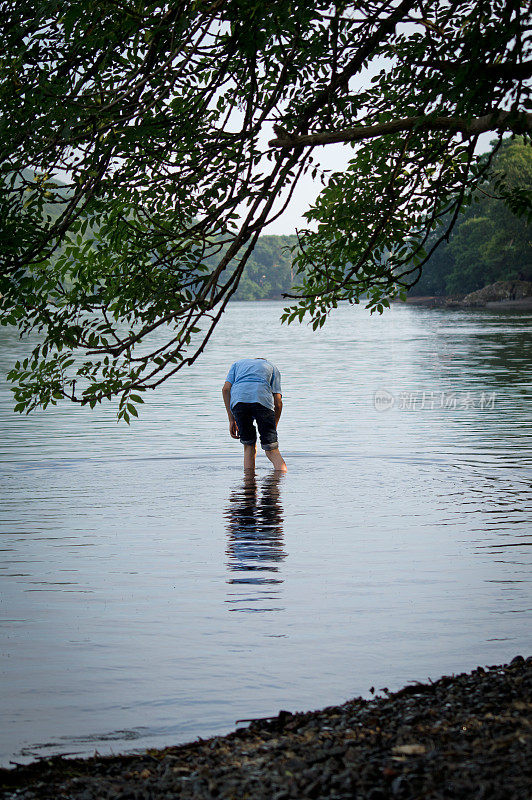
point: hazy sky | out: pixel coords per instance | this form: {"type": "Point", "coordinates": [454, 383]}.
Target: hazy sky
{"type": "Point", "coordinates": [332, 157]}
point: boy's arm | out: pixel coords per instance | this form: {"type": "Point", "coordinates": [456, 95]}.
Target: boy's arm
{"type": "Point", "coordinates": [277, 407]}
{"type": "Point", "coordinates": [226, 394]}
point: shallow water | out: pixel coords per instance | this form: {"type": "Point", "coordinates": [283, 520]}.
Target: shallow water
{"type": "Point", "coordinates": [151, 594]}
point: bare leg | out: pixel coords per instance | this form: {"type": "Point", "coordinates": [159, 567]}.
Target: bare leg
{"type": "Point", "coordinates": [250, 451]}
{"type": "Point", "coordinates": [276, 459]}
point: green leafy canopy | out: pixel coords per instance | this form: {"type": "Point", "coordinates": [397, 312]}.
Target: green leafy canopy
{"type": "Point", "coordinates": [137, 175]}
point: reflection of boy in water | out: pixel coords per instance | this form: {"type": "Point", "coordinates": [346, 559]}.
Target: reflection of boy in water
{"type": "Point", "coordinates": [252, 393]}
{"type": "Point", "coordinates": [255, 527]}
{"type": "Point", "coordinates": [255, 544]}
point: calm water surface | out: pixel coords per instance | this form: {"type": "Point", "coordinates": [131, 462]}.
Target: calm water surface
{"type": "Point", "coordinates": [151, 595]}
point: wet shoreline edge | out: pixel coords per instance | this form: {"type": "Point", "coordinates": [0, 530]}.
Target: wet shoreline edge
{"type": "Point", "coordinates": [466, 735]}
{"type": "Point", "coordinates": [434, 301]}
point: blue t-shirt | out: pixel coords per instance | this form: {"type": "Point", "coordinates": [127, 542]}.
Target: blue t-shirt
{"type": "Point", "coordinates": [254, 380]}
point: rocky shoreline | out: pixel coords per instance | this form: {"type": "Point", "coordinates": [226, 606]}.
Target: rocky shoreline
{"type": "Point", "coordinates": [463, 736]}
{"type": "Point", "coordinates": [501, 295]}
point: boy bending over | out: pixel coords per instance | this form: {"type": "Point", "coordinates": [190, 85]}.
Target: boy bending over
{"type": "Point", "coordinates": [252, 393]}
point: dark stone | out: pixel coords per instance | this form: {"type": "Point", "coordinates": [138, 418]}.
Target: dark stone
{"type": "Point", "coordinates": [313, 789]}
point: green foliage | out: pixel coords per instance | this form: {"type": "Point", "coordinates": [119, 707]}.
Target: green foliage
{"type": "Point", "coordinates": [156, 116]}
{"type": "Point", "coordinates": [492, 238]}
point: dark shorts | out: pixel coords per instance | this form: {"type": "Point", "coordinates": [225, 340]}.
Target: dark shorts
{"type": "Point", "coordinates": [245, 414]}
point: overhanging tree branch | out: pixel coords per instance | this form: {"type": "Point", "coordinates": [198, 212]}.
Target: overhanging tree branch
{"type": "Point", "coordinates": [508, 71]}
{"type": "Point", "coordinates": [498, 120]}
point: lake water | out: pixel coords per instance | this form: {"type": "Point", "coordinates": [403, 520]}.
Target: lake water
{"type": "Point", "coordinates": [151, 595]}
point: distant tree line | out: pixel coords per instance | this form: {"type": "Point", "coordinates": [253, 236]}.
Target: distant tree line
{"type": "Point", "coordinates": [489, 243]}
{"type": "Point", "coordinates": [268, 272]}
